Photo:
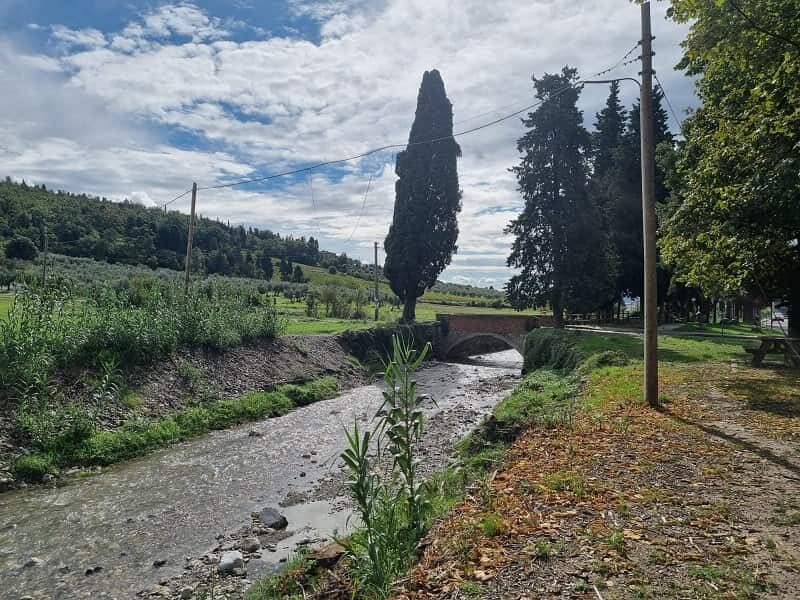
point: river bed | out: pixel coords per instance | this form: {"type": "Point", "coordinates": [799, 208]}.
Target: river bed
{"type": "Point", "coordinates": [174, 505]}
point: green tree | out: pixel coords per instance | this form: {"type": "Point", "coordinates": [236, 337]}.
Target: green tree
{"type": "Point", "coordinates": [265, 264]}
{"type": "Point", "coordinates": [21, 247]}
{"type": "Point", "coordinates": [424, 230]}
{"type": "Point", "coordinates": [297, 275]}
{"type": "Point", "coordinates": [285, 269]}
{"type": "Point", "coordinates": [738, 224]}
{"type": "Point", "coordinates": [560, 244]}
{"type": "Point", "coordinates": [623, 188]}
{"type": "Point", "coordinates": [609, 129]}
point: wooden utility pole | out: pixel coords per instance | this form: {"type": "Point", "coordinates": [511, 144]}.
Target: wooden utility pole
{"type": "Point", "coordinates": [377, 296]}
{"type": "Point", "coordinates": [650, 304]}
{"type": "Point", "coordinates": [189, 241]}
{"type": "Point", "coordinates": [44, 255]}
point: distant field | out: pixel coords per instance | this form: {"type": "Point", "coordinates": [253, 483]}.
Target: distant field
{"type": "Point", "coordinates": [6, 300]}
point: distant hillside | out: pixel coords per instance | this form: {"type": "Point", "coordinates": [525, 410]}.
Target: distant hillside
{"type": "Point", "coordinates": [123, 232]}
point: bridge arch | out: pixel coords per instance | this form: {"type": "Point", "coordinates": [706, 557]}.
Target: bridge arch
{"type": "Point", "coordinates": [459, 340]}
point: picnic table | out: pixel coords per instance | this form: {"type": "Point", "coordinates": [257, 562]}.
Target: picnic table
{"type": "Point", "coordinates": [789, 347]}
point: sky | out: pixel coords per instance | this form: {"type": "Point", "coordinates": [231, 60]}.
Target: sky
{"type": "Point", "coordinates": [136, 100]}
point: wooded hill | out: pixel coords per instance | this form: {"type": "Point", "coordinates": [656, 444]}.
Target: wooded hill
{"type": "Point", "coordinates": [124, 232]}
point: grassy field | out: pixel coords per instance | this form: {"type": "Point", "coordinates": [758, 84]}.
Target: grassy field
{"type": "Point", "coordinates": [6, 300]}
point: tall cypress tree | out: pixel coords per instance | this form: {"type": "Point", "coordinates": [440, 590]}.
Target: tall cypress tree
{"type": "Point", "coordinates": [422, 237]}
{"type": "Point", "coordinates": [560, 244]}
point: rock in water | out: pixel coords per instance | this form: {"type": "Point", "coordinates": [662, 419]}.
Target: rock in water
{"type": "Point", "coordinates": [272, 518]}
{"type": "Point", "coordinates": [250, 544]}
{"type": "Point", "coordinates": [230, 561]}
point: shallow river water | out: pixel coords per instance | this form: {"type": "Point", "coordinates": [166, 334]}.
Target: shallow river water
{"type": "Point", "coordinates": [172, 504]}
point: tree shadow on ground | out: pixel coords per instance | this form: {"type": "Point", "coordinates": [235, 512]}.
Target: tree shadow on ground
{"type": "Point", "coordinates": [778, 394]}
{"type": "Point", "coordinates": [748, 445]}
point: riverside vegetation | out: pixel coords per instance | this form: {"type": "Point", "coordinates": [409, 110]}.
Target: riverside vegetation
{"type": "Point", "coordinates": [574, 381]}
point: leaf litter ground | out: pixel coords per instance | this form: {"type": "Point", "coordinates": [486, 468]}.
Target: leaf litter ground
{"type": "Point", "coordinates": [698, 500]}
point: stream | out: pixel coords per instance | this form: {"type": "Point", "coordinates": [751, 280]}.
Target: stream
{"type": "Point", "coordinates": [174, 504]}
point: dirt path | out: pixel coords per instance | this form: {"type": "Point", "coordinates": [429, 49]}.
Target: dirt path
{"type": "Point", "coordinates": [697, 501]}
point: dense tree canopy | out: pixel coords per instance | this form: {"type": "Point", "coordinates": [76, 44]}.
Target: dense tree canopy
{"type": "Point", "coordinates": [561, 244]}
{"type": "Point", "coordinates": [424, 230]}
{"type": "Point", "coordinates": [738, 222]}
{"type": "Point", "coordinates": [123, 232]}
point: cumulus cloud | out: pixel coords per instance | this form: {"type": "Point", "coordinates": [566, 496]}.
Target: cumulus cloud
{"type": "Point", "coordinates": [265, 105]}
{"type": "Point", "coordinates": [82, 38]}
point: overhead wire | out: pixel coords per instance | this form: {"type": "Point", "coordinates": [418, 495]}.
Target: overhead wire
{"type": "Point", "coordinates": [407, 144]}
{"type": "Point", "coordinates": [620, 62]}
{"type": "Point", "coordinates": [669, 104]}
{"type": "Point", "coordinates": [361, 214]}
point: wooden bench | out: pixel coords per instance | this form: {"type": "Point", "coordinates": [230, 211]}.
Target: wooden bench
{"type": "Point", "coordinates": [788, 347]}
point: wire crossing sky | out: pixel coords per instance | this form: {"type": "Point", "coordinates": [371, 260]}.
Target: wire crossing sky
{"type": "Point", "coordinates": [138, 100]}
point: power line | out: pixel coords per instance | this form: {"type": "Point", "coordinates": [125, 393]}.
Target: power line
{"type": "Point", "coordinates": [621, 62]}
{"type": "Point", "coordinates": [403, 145]}
{"type": "Point", "coordinates": [763, 30]}
{"type": "Point", "coordinates": [669, 104]}
{"type": "Point", "coordinates": [361, 214]}
{"type": "Point", "coordinates": [176, 198]}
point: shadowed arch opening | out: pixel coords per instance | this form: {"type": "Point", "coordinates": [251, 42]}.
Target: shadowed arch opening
{"type": "Point", "coordinates": [480, 342]}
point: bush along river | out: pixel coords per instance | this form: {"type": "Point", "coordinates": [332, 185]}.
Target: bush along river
{"type": "Point", "coordinates": [222, 510]}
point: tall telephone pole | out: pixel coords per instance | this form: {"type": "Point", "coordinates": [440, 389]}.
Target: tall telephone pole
{"type": "Point", "coordinates": [650, 306]}
{"type": "Point", "coordinates": [44, 257]}
{"type": "Point", "coordinates": [377, 296]}
{"type": "Point", "coordinates": [189, 241]}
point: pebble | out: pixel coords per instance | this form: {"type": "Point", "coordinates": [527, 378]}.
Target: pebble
{"type": "Point", "coordinates": [230, 562]}
{"type": "Point", "coordinates": [186, 592]}
{"type": "Point", "coordinates": [250, 544]}
{"type": "Point", "coordinates": [93, 570]}
{"type": "Point", "coordinates": [34, 561]}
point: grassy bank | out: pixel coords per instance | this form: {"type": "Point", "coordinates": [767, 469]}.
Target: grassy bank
{"type": "Point", "coordinates": [69, 438]}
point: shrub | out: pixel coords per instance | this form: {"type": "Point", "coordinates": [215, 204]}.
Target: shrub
{"type": "Point", "coordinates": [33, 467]}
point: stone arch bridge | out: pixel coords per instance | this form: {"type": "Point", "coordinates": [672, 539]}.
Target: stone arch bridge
{"type": "Point", "coordinates": [465, 331]}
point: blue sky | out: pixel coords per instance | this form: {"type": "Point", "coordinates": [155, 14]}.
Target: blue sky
{"type": "Point", "coordinates": [136, 100]}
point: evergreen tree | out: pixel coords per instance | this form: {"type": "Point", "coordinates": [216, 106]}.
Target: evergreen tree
{"type": "Point", "coordinates": [424, 230]}
{"type": "Point", "coordinates": [560, 245]}
{"type": "Point", "coordinates": [623, 187]}
{"type": "Point", "coordinates": [285, 269]}
{"type": "Point", "coordinates": [609, 129]}
{"type": "Point", "coordinates": [265, 264]}
{"type": "Point", "coordinates": [297, 275]}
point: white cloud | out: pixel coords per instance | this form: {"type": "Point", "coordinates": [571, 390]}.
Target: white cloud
{"type": "Point", "coordinates": [281, 102]}
{"type": "Point", "coordinates": [82, 38]}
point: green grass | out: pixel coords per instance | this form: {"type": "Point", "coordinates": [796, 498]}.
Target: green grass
{"type": "Point", "coordinates": [289, 584]}
{"type": "Point", "coordinates": [139, 437]}
{"type": "Point", "coordinates": [6, 301]}
{"type": "Point", "coordinates": [717, 328]}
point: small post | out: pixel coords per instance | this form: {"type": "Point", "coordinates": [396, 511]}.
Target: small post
{"type": "Point", "coordinates": [189, 241]}
{"type": "Point", "coordinates": [649, 215]}
{"type": "Point", "coordinates": [377, 296]}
